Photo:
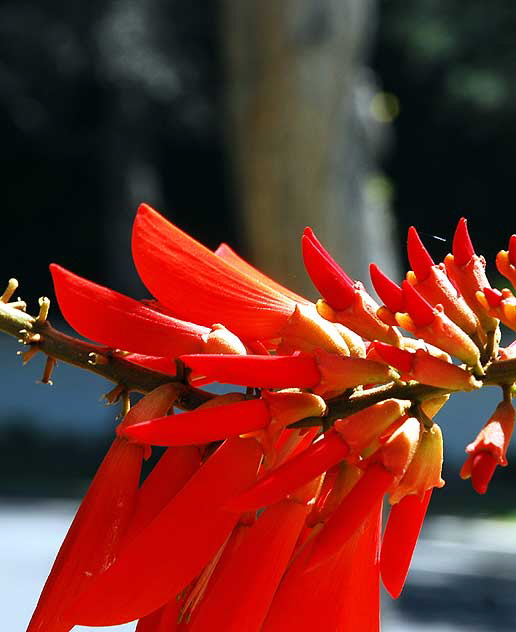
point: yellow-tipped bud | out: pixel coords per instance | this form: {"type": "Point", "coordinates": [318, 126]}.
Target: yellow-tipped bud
{"type": "Point", "coordinates": [221, 340]}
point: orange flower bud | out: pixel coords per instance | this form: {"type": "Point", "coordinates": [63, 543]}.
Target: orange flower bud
{"type": "Point", "coordinates": [305, 330]}
{"type": "Point", "coordinates": [424, 471]}
{"type": "Point", "coordinates": [338, 374]}
{"type": "Point", "coordinates": [362, 428]}
{"type": "Point", "coordinates": [399, 449]}
{"type": "Point", "coordinates": [221, 340]}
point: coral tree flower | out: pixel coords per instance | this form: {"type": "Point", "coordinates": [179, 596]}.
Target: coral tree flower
{"type": "Point", "coordinates": [264, 512]}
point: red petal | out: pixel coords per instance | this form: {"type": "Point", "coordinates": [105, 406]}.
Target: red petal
{"type": "Point", "coordinates": [328, 277]}
{"type": "Point", "coordinates": [341, 594]}
{"type": "Point", "coordinates": [398, 358]}
{"type": "Point", "coordinates": [419, 309]}
{"type": "Point", "coordinates": [258, 371]}
{"type": "Point", "coordinates": [174, 469]}
{"type": "Point", "coordinates": [482, 470]}
{"type": "Point", "coordinates": [91, 543]}
{"type": "Point", "coordinates": [462, 247]}
{"type": "Point", "coordinates": [202, 426]}
{"type": "Point", "coordinates": [419, 257]}
{"type": "Point", "coordinates": [163, 620]}
{"type": "Point", "coordinates": [162, 559]}
{"type": "Point", "coordinates": [400, 539]}
{"type": "Point", "coordinates": [120, 322]}
{"type": "Point", "coordinates": [297, 471]}
{"type": "Point", "coordinates": [512, 250]}
{"type": "Point", "coordinates": [351, 513]}
{"type": "Point", "coordinates": [388, 291]}
{"type": "Point", "coordinates": [241, 590]}
{"type": "Point", "coordinates": [493, 296]}
{"type": "Point", "coordinates": [226, 253]}
{"type": "Point", "coordinates": [194, 283]}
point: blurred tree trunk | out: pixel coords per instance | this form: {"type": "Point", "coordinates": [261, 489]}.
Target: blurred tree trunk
{"type": "Point", "coordinates": [298, 128]}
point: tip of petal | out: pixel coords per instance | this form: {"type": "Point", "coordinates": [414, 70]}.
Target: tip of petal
{"type": "Point", "coordinates": [462, 247]}
{"type": "Point", "coordinates": [419, 309]}
{"type": "Point", "coordinates": [388, 291]}
{"type": "Point", "coordinates": [418, 255]}
{"type": "Point", "coordinates": [328, 277]}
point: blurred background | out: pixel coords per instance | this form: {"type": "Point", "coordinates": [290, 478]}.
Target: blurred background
{"type": "Point", "coordinates": [244, 122]}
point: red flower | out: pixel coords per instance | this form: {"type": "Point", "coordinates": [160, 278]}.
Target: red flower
{"type": "Point", "coordinates": [326, 429]}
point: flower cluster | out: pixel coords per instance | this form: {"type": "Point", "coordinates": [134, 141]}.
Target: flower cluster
{"type": "Point", "coordinates": [265, 510]}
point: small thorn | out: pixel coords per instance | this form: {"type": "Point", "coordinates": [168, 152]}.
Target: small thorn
{"type": "Point", "coordinates": [12, 286]}
{"type": "Point", "coordinates": [512, 250]}
{"type": "Point", "coordinates": [97, 359]}
{"type": "Point", "coordinates": [419, 309]}
{"type": "Point", "coordinates": [44, 306]}
{"type": "Point", "coordinates": [493, 296]}
{"type": "Point", "coordinates": [114, 394]}
{"type": "Point", "coordinates": [47, 371]}
{"type": "Point", "coordinates": [388, 291]}
{"type": "Point", "coordinates": [28, 355]}
{"type": "Point", "coordinates": [462, 247]}
{"type": "Point", "coordinates": [418, 255]}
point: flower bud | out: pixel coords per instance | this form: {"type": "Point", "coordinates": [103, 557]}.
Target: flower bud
{"type": "Point", "coordinates": [424, 471]}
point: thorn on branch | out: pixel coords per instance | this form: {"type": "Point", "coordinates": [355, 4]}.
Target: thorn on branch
{"type": "Point", "coordinates": [12, 286]}
{"type": "Point", "coordinates": [114, 394]}
{"type": "Point", "coordinates": [28, 355]}
{"type": "Point", "coordinates": [47, 371]}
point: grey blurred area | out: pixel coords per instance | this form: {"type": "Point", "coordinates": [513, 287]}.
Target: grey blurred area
{"type": "Point", "coordinates": [243, 122]}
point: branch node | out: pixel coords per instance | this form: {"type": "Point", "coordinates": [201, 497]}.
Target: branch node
{"type": "Point", "coordinates": [114, 394]}
{"type": "Point", "coordinates": [97, 359]}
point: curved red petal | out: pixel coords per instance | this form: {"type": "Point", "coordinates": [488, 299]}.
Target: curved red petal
{"type": "Point", "coordinates": [194, 283]}
{"type": "Point", "coordinates": [419, 309]}
{"type": "Point", "coordinates": [121, 322]}
{"type": "Point", "coordinates": [202, 426]}
{"type": "Point", "coordinates": [482, 470]}
{"type": "Point", "coordinates": [512, 250]}
{"type": "Point", "coordinates": [174, 469]}
{"type": "Point", "coordinates": [342, 593]}
{"type": "Point", "coordinates": [256, 370]}
{"type": "Point", "coordinates": [93, 539]}
{"type": "Point", "coordinates": [398, 358]}
{"type": "Point", "coordinates": [351, 512]}
{"type": "Point", "coordinates": [239, 595]}
{"type": "Point", "coordinates": [389, 292]}
{"type": "Point", "coordinates": [419, 257]}
{"type": "Point", "coordinates": [227, 253]}
{"type": "Point", "coordinates": [400, 539]}
{"type": "Point", "coordinates": [289, 476]}
{"type": "Point", "coordinates": [332, 282]}
{"type": "Point", "coordinates": [462, 247]}
{"type": "Point", "coordinates": [167, 555]}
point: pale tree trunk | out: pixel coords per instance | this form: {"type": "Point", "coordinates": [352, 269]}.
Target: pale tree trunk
{"type": "Point", "coordinates": [298, 129]}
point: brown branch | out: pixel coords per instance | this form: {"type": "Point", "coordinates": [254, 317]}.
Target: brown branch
{"type": "Point", "coordinates": [39, 334]}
